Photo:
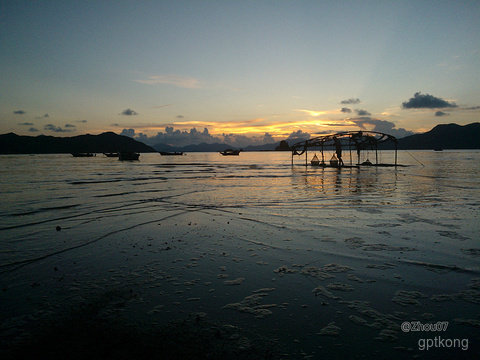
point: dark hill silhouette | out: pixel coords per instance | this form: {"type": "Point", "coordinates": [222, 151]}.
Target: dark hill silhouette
{"type": "Point", "coordinates": [444, 136]}
{"type": "Point", "coordinates": [105, 142]}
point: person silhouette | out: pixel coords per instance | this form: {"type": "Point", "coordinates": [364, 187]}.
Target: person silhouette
{"type": "Point", "coordinates": [338, 150]}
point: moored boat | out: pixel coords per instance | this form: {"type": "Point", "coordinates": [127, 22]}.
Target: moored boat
{"type": "Point", "coordinates": [80, 154]}
{"type": "Point", "coordinates": [230, 152]}
{"type": "Point", "coordinates": [166, 153]}
{"type": "Point", "coordinates": [128, 156]}
{"type": "Point", "coordinates": [111, 154]}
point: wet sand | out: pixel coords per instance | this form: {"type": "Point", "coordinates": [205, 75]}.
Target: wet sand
{"type": "Point", "coordinates": [312, 289]}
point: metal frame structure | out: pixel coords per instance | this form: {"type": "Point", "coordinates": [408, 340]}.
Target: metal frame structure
{"type": "Point", "coordinates": [356, 140]}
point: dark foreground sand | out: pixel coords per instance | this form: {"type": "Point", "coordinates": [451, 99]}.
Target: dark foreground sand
{"type": "Point", "coordinates": [223, 283]}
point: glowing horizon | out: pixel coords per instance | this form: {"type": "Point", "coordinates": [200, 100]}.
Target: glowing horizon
{"type": "Point", "coordinates": [219, 66]}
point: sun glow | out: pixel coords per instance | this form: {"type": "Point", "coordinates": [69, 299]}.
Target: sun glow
{"type": "Point", "coordinates": [312, 112]}
{"type": "Point", "coordinates": [253, 127]}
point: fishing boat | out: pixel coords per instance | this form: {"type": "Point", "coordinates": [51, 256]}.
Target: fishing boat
{"type": "Point", "coordinates": [168, 153]}
{"type": "Point", "coordinates": [80, 154]}
{"type": "Point", "coordinates": [128, 156]}
{"type": "Point", "coordinates": [111, 154]}
{"type": "Point", "coordinates": [230, 152]}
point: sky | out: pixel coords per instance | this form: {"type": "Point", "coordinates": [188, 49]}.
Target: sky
{"type": "Point", "coordinates": [246, 72]}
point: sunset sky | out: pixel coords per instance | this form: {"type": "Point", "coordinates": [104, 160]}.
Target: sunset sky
{"type": "Point", "coordinates": [247, 71]}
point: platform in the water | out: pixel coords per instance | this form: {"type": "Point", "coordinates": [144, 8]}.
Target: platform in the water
{"type": "Point", "coordinates": [356, 166]}
{"type": "Point", "coordinates": [341, 143]}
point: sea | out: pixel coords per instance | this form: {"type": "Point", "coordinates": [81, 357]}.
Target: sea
{"type": "Point", "coordinates": [260, 251]}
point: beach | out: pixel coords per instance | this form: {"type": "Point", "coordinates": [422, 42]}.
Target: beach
{"type": "Point", "coordinates": [249, 251]}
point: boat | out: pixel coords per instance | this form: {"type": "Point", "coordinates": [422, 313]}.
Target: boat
{"type": "Point", "coordinates": [111, 154]}
{"type": "Point", "coordinates": [166, 153]}
{"type": "Point", "coordinates": [79, 154]}
{"type": "Point", "coordinates": [230, 152]}
{"type": "Point", "coordinates": [128, 156]}
{"type": "Point", "coordinates": [438, 149]}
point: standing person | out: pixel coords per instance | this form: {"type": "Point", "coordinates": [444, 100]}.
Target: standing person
{"type": "Point", "coordinates": [338, 150]}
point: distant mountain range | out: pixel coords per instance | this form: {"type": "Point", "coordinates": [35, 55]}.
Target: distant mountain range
{"type": "Point", "coordinates": [445, 136]}
{"type": "Point", "coordinates": [218, 147]}
{"type": "Point", "coordinates": [106, 142]}
{"type": "Point", "coordinates": [203, 147]}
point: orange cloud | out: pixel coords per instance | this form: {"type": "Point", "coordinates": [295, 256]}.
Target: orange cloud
{"type": "Point", "coordinates": [255, 126]}
{"type": "Point", "coordinates": [261, 126]}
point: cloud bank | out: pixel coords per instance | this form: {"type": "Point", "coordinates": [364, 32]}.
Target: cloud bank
{"type": "Point", "coordinates": [128, 112]}
{"type": "Point", "coordinates": [299, 134]}
{"type": "Point", "coordinates": [58, 129]}
{"type": "Point", "coordinates": [362, 112]}
{"type": "Point", "coordinates": [382, 126]}
{"type": "Point", "coordinates": [419, 101]}
{"type": "Point", "coordinates": [351, 101]}
{"type": "Point", "coordinates": [174, 137]}
{"type": "Point", "coordinates": [128, 132]}
{"type": "Point", "coordinates": [193, 136]}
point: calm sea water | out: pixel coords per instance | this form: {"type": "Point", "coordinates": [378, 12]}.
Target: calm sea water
{"type": "Point", "coordinates": [44, 191]}
{"type": "Point", "coordinates": [412, 218]}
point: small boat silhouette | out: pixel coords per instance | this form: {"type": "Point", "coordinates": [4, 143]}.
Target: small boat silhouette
{"type": "Point", "coordinates": [230, 152]}
{"type": "Point", "coordinates": [128, 156]}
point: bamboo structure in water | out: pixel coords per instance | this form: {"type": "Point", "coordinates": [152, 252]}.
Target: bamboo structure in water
{"type": "Point", "coordinates": [340, 143]}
